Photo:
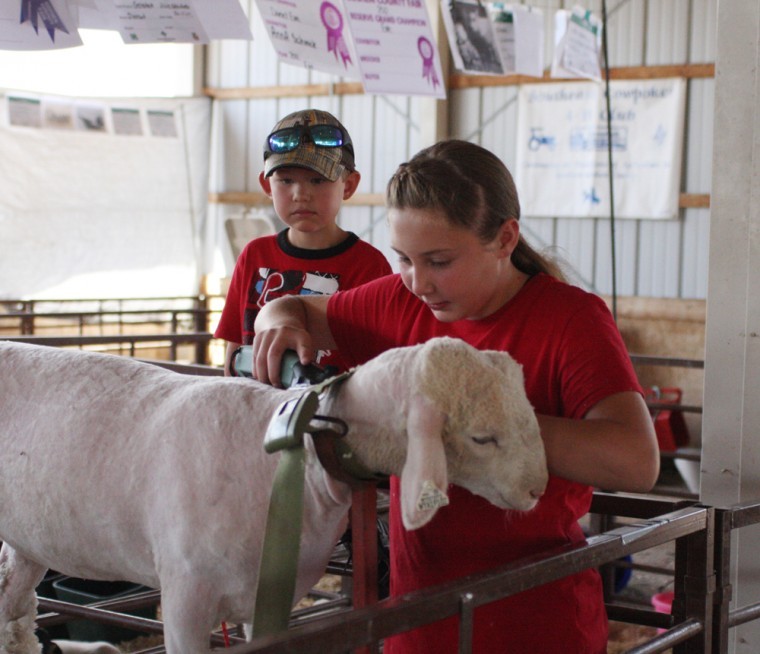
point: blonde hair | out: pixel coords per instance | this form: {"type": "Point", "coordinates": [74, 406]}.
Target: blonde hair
{"type": "Point", "coordinates": [473, 188]}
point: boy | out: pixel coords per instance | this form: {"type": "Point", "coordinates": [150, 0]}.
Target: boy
{"type": "Point", "coordinates": [309, 170]}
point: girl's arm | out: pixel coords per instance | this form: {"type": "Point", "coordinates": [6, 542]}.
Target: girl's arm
{"type": "Point", "coordinates": [292, 322]}
{"type": "Point", "coordinates": [613, 448]}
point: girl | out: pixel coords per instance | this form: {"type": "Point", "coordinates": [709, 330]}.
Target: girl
{"type": "Point", "coordinates": [466, 272]}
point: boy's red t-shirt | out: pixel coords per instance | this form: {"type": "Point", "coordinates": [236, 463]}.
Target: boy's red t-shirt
{"type": "Point", "coordinates": [270, 267]}
{"type": "Point", "coordinates": [572, 356]}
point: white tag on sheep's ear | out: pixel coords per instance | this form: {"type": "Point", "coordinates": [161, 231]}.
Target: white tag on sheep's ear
{"type": "Point", "coordinates": [431, 498]}
{"type": "Point", "coordinates": [424, 473]}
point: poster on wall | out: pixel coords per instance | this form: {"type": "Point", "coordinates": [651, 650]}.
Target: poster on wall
{"type": "Point", "coordinates": [37, 25]}
{"type": "Point", "coordinates": [55, 24]}
{"type": "Point", "coordinates": [471, 37]}
{"type": "Point", "coordinates": [148, 22]}
{"type": "Point", "coordinates": [578, 44]}
{"type": "Point", "coordinates": [562, 166]}
{"type": "Point", "coordinates": [395, 47]}
{"type": "Point", "coordinates": [519, 33]}
{"type": "Point", "coordinates": [311, 34]}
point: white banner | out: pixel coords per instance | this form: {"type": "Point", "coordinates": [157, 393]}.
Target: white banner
{"type": "Point", "coordinates": [88, 210]}
{"type": "Point", "coordinates": [562, 164]}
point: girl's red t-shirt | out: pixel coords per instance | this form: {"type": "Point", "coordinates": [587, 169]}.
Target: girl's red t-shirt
{"type": "Point", "coordinates": [572, 356]}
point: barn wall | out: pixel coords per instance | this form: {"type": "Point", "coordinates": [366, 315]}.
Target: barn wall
{"type": "Point", "coordinates": [661, 327]}
{"type": "Point", "coordinates": [658, 259]}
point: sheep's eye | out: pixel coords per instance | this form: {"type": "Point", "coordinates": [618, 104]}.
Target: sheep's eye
{"type": "Point", "coordinates": [485, 440]}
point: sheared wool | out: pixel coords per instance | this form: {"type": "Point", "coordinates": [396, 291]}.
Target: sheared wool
{"type": "Point", "coordinates": [119, 470]}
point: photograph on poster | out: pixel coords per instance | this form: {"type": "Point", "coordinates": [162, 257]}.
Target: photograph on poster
{"type": "Point", "coordinates": [471, 37]}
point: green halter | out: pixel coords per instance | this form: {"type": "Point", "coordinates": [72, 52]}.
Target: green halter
{"type": "Point", "coordinates": [279, 558]}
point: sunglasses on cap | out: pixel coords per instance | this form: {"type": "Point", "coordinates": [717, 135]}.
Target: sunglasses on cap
{"type": "Point", "coordinates": [323, 136]}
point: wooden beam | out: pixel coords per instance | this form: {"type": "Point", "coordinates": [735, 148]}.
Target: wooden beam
{"type": "Point", "coordinates": [294, 91]}
{"type": "Point", "coordinates": [685, 200]}
{"type": "Point", "coordinates": [688, 71]}
{"type": "Point", "coordinates": [257, 198]}
{"type": "Point", "coordinates": [694, 201]}
{"type": "Point", "coordinates": [457, 81]}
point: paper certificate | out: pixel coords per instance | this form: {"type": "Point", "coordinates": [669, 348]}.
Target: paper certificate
{"type": "Point", "coordinates": [159, 22]}
{"type": "Point", "coordinates": [578, 36]}
{"type": "Point", "coordinates": [395, 47]}
{"type": "Point", "coordinates": [221, 19]}
{"type": "Point", "coordinates": [311, 33]}
{"type": "Point", "coordinates": [519, 34]}
{"type": "Point", "coordinates": [37, 25]}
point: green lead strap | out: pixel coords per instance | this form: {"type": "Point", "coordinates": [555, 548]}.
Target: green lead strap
{"type": "Point", "coordinates": [280, 551]}
{"type": "Point", "coordinates": [279, 558]}
{"type": "Point", "coordinates": [282, 539]}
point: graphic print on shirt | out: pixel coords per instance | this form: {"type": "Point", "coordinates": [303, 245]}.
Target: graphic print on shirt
{"type": "Point", "coordinates": [270, 284]}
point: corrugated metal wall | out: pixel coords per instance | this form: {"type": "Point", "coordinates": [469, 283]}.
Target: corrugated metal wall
{"type": "Point", "coordinates": [663, 258]}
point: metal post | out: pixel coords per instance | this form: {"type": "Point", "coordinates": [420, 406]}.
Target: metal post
{"type": "Point", "coordinates": [695, 588]}
{"type": "Point", "coordinates": [364, 551]}
{"type": "Point", "coordinates": [722, 598]}
{"type": "Point", "coordinates": [201, 325]}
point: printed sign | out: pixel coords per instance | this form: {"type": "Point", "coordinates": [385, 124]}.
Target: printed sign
{"type": "Point", "coordinates": [562, 164]}
{"type": "Point", "coordinates": [312, 34]}
{"type": "Point", "coordinates": [178, 21]}
{"type": "Point", "coordinates": [578, 44]}
{"type": "Point", "coordinates": [37, 25]}
{"type": "Point", "coordinates": [395, 47]}
{"type": "Point", "coordinates": [159, 22]}
{"type": "Point", "coordinates": [519, 33]}
{"type": "Point", "coordinates": [471, 37]}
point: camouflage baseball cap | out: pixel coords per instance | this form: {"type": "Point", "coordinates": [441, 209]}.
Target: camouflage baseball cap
{"type": "Point", "coordinates": [312, 139]}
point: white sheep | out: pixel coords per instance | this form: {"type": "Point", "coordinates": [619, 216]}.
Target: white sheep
{"type": "Point", "coordinates": [119, 470]}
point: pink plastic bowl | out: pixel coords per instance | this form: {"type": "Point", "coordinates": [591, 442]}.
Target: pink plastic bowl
{"type": "Point", "coordinates": [663, 603]}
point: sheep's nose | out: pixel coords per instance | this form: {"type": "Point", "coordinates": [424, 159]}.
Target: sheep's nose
{"type": "Point", "coordinates": [537, 494]}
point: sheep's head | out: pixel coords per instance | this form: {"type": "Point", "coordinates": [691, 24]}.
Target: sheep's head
{"type": "Point", "coordinates": [491, 439]}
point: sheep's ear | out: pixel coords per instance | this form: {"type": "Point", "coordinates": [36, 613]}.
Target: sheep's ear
{"type": "Point", "coordinates": [512, 370]}
{"type": "Point", "coordinates": [423, 478]}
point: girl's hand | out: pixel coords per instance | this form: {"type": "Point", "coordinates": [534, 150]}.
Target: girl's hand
{"type": "Point", "coordinates": [269, 346]}
{"type": "Point", "coordinates": [292, 322]}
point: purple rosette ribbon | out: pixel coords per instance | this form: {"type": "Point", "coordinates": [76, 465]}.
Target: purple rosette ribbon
{"type": "Point", "coordinates": [332, 19]}
{"type": "Point", "coordinates": [426, 50]}
{"type": "Point", "coordinates": [36, 10]}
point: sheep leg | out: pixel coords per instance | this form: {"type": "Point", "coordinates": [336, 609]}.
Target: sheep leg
{"type": "Point", "coordinates": [188, 607]}
{"type": "Point", "coordinates": [18, 602]}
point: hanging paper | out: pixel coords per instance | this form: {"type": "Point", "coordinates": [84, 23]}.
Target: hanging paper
{"type": "Point", "coordinates": [42, 13]}
{"type": "Point", "coordinates": [395, 47]}
{"type": "Point", "coordinates": [126, 121]}
{"type": "Point", "coordinates": [219, 19]}
{"type": "Point", "coordinates": [159, 22]}
{"type": "Point", "coordinates": [162, 123]}
{"type": "Point", "coordinates": [578, 44]}
{"type": "Point", "coordinates": [90, 116]}
{"type": "Point", "coordinates": [37, 25]}
{"type": "Point", "coordinates": [471, 37]}
{"type": "Point", "coordinates": [58, 113]}
{"type": "Point", "coordinates": [312, 34]}
{"type": "Point", "coordinates": [223, 19]}
{"type": "Point", "coordinates": [562, 167]}
{"type": "Point", "coordinates": [519, 34]}
{"type": "Point", "coordinates": [24, 111]}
